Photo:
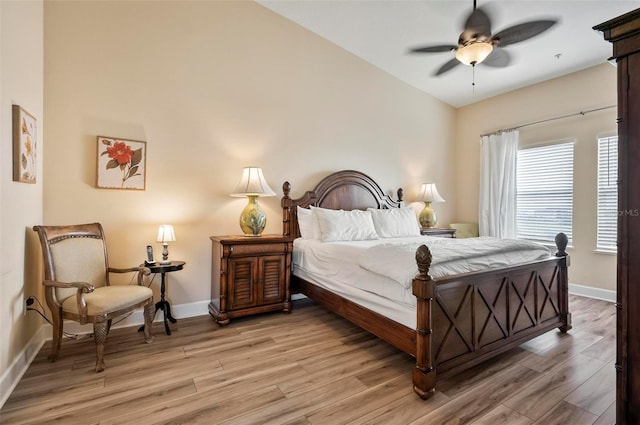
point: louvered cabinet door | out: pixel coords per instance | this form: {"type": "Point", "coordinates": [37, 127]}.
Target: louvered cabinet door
{"type": "Point", "coordinates": [243, 273]}
{"type": "Point", "coordinates": [249, 276]}
{"type": "Point", "coordinates": [272, 279]}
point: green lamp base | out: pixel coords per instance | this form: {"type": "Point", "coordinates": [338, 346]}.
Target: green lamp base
{"type": "Point", "coordinates": [252, 220]}
{"type": "Point", "coordinates": [427, 216]}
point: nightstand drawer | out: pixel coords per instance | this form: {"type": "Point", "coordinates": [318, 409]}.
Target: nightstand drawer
{"type": "Point", "coordinates": [261, 249]}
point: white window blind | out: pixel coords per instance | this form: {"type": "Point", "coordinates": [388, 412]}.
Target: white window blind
{"type": "Point", "coordinates": [545, 192]}
{"type": "Point", "coordinates": [607, 194]}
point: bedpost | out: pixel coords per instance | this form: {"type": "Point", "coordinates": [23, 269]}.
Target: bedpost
{"type": "Point", "coordinates": [424, 374]}
{"type": "Point", "coordinates": [563, 281]}
{"type": "Point", "coordinates": [286, 203]}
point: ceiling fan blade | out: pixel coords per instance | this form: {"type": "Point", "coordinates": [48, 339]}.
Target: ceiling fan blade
{"type": "Point", "coordinates": [498, 58]}
{"type": "Point", "coordinates": [478, 23]}
{"type": "Point", "coordinates": [521, 32]}
{"type": "Point", "coordinates": [434, 49]}
{"type": "Point", "coordinates": [446, 67]}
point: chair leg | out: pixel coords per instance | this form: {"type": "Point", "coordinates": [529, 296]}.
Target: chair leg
{"type": "Point", "coordinates": [100, 335]}
{"type": "Point", "coordinates": [149, 314]}
{"type": "Point", "coordinates": [57, 335]}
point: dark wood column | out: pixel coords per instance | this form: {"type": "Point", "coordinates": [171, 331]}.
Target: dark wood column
{"type": "Point", "coordinates": [624, 33]}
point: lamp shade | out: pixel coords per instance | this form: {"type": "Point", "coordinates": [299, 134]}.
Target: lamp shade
{"type": "Point", "coordinates": [474, 53]}
{"type": "Point", "coordinates": [166, 234]}
{"type": "Point", "coordinates": [429, 193]}
{"type": "Point", "coordinates": [252, 183]}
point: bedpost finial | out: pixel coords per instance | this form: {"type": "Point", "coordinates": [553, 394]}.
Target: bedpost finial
{"type": "Point", "coordinates": [423, 259]}
{"type": "Point", "coordinates": [286, 189]}
{"type": "Point", "coordinates": [400, 194]}
{"type": "Point", "coordinates": [561, 242]}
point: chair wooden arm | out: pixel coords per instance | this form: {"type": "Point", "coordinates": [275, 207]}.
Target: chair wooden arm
{"type": "Point", "coordinates": [82, 287]}
{"type": "Point", "coordinates": [141, 270]}
{"type": "Point", "coordinates": [126, 270]}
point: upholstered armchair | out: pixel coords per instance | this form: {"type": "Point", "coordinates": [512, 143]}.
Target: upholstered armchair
{"type": "Point", "coordinates": [76, 284]}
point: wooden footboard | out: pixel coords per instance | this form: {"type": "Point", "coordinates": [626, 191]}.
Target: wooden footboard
{"type": "Point", "coordinates": [465, 319]}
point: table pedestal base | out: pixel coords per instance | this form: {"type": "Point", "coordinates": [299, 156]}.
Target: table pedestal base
{"type": "Point", "coordinates": [165, 307]}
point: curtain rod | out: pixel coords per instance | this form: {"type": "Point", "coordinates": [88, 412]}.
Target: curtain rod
{"type": "Point", "coordinates": [548, 119]}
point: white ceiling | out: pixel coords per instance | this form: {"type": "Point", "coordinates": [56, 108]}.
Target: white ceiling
{"type": "Point", "coordinates": [382, 31]}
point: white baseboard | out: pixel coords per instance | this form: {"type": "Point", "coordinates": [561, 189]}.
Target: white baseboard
{"type": "Point", "coordinates": [20, 364]}
{"type": "Point", "coordinates": [591, 292]}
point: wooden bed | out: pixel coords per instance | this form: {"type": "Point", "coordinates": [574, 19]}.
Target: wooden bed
{"type": "Point", "coordinates": [463, 319]}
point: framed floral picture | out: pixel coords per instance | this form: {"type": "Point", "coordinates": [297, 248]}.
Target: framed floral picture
{"type": "Point", "coordinates": [122, 164]}
{"type": "Point", "coordinates": [25, 139]}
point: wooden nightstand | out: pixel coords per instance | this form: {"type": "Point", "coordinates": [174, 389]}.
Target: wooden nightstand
{"type": "Point", "coordinates": [249, 275]}
{"type": "Point", "coordinates": [441, 233]}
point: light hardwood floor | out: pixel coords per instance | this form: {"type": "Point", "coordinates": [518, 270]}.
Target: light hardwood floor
{"type": "Point", "coordinates": [313, 367]}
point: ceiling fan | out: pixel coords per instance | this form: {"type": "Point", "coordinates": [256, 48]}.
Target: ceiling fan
{"type": "Point", "coordinates": [477, 45]}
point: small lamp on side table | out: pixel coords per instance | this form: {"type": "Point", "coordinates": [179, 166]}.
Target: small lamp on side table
{"type": "Point", "coordinates": [165, 235]}
{"type": "Point", "coordinates": [428, 194]}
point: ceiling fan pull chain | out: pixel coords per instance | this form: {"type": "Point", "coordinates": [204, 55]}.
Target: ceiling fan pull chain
{"type": "Point", "coordinates": [473, 81]}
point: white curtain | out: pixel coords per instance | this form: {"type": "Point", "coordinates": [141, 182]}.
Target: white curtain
{"type": "Point", "coordinates": [498, 185]}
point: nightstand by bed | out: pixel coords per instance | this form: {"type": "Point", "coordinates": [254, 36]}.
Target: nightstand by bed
{"type": "Point", "coordinates": [249, 275]}
{"type": "Point", "coordinates": [440, 233]}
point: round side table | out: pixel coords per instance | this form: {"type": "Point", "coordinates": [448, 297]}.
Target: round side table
{"type": "Point", "coordinates": [163, 304]}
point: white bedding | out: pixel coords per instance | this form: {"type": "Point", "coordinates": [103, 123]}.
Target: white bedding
{"type": "Point", "coordinates": [362, 272]}
{"type": "Point", "coordinates": [450, 256]}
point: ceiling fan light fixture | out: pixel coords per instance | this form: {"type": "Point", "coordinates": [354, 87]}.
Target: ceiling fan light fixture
{"type": "Point", "coordinates": [474, 53]}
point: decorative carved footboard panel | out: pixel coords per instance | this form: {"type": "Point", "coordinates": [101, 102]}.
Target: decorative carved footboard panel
{"type": "Point", "coordinates": [475, 314]}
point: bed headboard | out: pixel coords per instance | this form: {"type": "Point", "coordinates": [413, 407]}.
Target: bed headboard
{"type": "Point", "coordinates": [347, 190]}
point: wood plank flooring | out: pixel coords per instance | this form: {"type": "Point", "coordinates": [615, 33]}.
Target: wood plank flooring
{"type": "Point", "coordinates": [313, 367]}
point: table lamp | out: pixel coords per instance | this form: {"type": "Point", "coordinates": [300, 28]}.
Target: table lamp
{"type": "Point", "coordinates": [252, 185]}
{"type": "Point", "coordinates": [165, 235]}
{"type": "Point", "coordinates": [428, 194]}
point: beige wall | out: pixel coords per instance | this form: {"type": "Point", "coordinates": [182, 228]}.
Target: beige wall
{"type": "Point", "coordinates": [581, 91]}
{"type": "Point", "coordinates": [213, 87]}
{"type": "Point", "coordinates": [21, 74]}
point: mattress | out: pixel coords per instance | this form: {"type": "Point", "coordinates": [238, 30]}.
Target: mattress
{"type": "Point", "coordinates": [377, 274]}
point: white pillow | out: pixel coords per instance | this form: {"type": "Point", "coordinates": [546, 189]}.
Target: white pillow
{"type": "Point", "coordinates": [317, 234]}
{"type": "Point", "coordinates": [308, 223]}
{"type": "Point", "coordinates": [305, 223]}
{"type": "Point", "coordinates": [340, 225]}
{"type": "Point", "coordinates": [395, 222]}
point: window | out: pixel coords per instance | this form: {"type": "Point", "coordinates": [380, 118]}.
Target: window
{"type": "Point", "coordinates": [545, 192]}
{"type": "Point", "coordinates": [607, 194]}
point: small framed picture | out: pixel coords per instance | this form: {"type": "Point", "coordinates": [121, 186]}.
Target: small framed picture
{"type": "Point", "coordinates": [122, 164]}
{"type": "Point", "coordinates": [25, 140]}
